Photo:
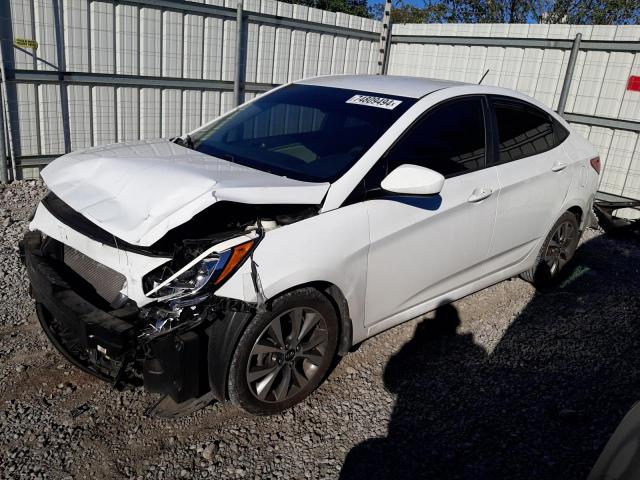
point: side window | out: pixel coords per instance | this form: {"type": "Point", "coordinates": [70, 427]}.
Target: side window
{"type": "Point", "coordinates": [524, 131]}
{"type": "Point", "coordinates": [449, 139]}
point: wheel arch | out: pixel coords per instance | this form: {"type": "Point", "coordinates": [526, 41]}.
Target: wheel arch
{"type": "Point", "coordinates": [578, 212]}
{"type": "Point", "coordinates": [225, 333]}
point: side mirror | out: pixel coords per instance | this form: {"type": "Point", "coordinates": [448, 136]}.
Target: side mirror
{"type": "Point", "coordinates": [414, 180]}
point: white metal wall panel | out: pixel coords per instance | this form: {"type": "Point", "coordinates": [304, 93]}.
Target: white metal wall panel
{"type": "Point", "coordinates": [103, 115]}
{"type": "Point", "coordinates": [251, 5]}
{"type": "Point", "coordinates": [127, 46]}
{"type": "Point", "coordinates": [281, 55]}
{"type": "Point", "coordinates": [213, 29]}
{"type": "Point", "coordinates": [593, 72]}
{"type": "Point", "coordinates": [339, 51]}
{"type": "Point", "coordinates": [172, 44]}
{"type": "Point", "coordinates": [630, 108]}
{"type": "Point", "coordinates": [22, 26]}
{"type": "Point", "coordinates": [45, 30]}
{"type": "Point", "coordinates": [296, 55]}
{"type": "Point", "coordinates": [210, 106]}
{"type": "Point", "coordinates": [76, 35]}
{"type": "Point", "coordinates": [102, 55]}
{"type": "Point", "coordinates": [51, 132]}
{"type": "Point", "coordinates": [618, 162]}
{"type": "Point", "coordinates": [443, 61]}
{"type": "Point", "coordinates": [79, 116]}
{"type": "Point", "coordinates": [631, 186]}
{"type": "Point", "coordinates": [311, 54]}
{"type": "Point", "coordinates": [25, 133]}
{"type": "Point", "coordinates": [460, 62]}
{"type": "Point", "coordinates": [364, 52]}
{"type": "Point", "coordinates": [128, 114]}
{"type": "Point", "coordinates": [351, 56]}
{"type": "Point", "coordinates": [269, 7]}
{"type": "Point", "coordinates": [326, 45]}
{"type": "Point", "coordinates": [252, 45]}
{"type": "Point", "coordinates": [150, 41]}
{"type": "Point", "coordinates": [266, 51]}
{"type": "Point", "coordinates": [229, 50]}
{"type": "Point", "coordinates": [476, 64]}
{"type": "Point", "coordinates": [171, 112]}
{"type": "Point", "coordinates": [191, 110]}
{"type": "Point", "coordinates": [226, 102]}
{"type": "Point", "coordinates": [150, 113]}
{"type": "Point", "coordinates": [614, 84]}
{"type": "Point", "coordinates": [193, 46]}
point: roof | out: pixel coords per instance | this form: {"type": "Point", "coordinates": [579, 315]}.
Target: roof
{"type": "Point", "coordinates": [414, 87]}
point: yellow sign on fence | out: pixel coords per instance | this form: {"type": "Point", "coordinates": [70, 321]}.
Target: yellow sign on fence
{"type": "Point", "coordinates": [25, 43]}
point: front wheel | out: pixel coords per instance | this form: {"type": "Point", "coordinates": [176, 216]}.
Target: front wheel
{"type": "Point", "coordinates": [284, 353]}
{"type": "Point", "coordinates": [556, 252]}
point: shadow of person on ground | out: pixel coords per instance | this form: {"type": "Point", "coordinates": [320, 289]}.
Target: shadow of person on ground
{"type": "Point", "coordinates": [541, 405]}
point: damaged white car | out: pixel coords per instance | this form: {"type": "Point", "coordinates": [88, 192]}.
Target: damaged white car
{"type": "Point", "coordinates": [237, 262]}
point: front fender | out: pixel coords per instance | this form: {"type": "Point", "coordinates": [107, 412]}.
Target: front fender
{"type": "Point", "coordinates": [331, 247]}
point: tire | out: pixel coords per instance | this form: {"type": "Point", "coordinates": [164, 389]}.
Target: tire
{"type": "Point", "coordinates": [270, 371]}
{"type": "Point", "coordinates": [556, 253]}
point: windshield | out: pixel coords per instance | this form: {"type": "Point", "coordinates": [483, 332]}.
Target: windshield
{"type": "Point", "coordinates": [303, 132]}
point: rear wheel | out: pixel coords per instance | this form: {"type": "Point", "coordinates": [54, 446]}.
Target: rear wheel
{"type": "Point", "coordinates": [284, 353]}
{"type": "Point", "coordinates": [556, 252]}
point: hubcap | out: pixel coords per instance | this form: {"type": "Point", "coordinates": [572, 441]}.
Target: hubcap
{"type": "Point", "coordinates": [287, 354]}
{"type": "Point", "coordinates": [559, 250]}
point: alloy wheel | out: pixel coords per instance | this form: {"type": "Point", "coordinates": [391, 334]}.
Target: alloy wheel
{"type": "Point", "coordinates": [559, 251]}
{"type": "Point", "coordinates": [287, 354]}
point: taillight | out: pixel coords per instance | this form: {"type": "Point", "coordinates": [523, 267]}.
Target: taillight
{"type": "Point", "coordinates": [595, 163]}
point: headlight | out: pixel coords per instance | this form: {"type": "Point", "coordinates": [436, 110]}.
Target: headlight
{"type": "Point", "coordinates": [211, 270]}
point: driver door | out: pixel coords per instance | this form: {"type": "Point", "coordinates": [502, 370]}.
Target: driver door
{"type": "Point", "coordinates": [424, 247]}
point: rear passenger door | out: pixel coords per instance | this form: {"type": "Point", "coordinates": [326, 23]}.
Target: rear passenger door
{"type": "Point", "coordinates": [534, 178]}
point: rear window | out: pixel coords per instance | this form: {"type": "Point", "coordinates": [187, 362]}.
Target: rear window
{"type": "Point", "coordinates": [303, 132]}
{"type": "Point", "coordinates": [524, 131]}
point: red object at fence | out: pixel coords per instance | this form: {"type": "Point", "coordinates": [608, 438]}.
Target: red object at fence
{"type": "Point", "coordinates": [634, 83]}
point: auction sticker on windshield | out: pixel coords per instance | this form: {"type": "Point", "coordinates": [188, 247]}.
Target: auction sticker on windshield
{"type": "Point", "coordinates": [378, 102]}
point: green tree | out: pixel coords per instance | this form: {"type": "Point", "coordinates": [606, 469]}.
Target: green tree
{"type": "Point", "coordinates": [593, 12]}
{"type": "Point", "coordinates": [352, 7]}
{"type": "Point", "coordinates": [600, 12]}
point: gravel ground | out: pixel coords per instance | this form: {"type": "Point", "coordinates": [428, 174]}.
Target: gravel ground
{"type": "Point", "coordinates": [507, 383]}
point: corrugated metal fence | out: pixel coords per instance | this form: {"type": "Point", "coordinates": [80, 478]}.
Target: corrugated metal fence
{"type": "Point", "coordinates": [533, 59]}
{"type": "Point", "coordinates": [106, 71]}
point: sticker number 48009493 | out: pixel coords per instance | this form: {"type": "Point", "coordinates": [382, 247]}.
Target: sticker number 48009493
{"type": "Point", "coordinates": [378, 102]}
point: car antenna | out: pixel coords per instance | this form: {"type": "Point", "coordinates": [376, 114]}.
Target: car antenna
{"type": "Point", "coordinates": [485, 74]}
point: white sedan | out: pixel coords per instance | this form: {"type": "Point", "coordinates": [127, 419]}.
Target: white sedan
{"type": "Point", "coordinates": [238, 261]}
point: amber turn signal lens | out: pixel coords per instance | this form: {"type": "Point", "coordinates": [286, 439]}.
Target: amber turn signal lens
{"type": "Point", "coordinates": [238, 254]}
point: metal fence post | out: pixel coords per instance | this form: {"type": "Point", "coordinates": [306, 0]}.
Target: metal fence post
{"type": "Point", "coordinates": [62, 67]}
{"type": "Point", "coordinates": [7, 66]}
{"type": "Point", "coordinates": [240, 56]}
{"type": "Point", "coordinates": [571, 65]}
{"type": "Point", "coordinates": [385, 39]}
{"type": "Point", "coordinates": [4, 176]}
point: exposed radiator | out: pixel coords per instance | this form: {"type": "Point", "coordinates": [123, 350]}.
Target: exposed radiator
{"type": "Point", "coordinates": [107, 282]}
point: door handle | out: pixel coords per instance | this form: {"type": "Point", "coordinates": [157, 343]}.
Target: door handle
{"type": "Point", "coordinates": [559, 166]}
{"type": "Point", "coordinates": [479, 194]}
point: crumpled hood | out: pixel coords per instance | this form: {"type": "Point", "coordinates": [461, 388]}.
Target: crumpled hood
{"type": "Point", "coordinates": [140, 190]}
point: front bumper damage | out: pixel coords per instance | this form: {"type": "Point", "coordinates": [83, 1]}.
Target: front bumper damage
{"type": "Point", "coordinates": [186, 362]}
